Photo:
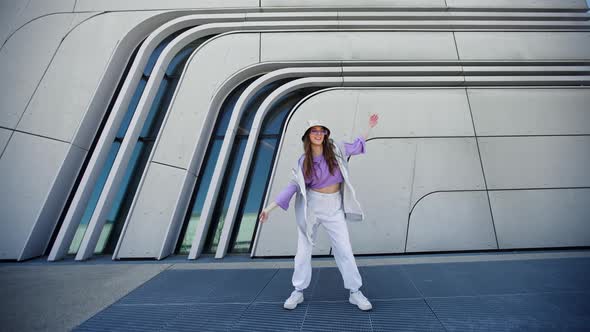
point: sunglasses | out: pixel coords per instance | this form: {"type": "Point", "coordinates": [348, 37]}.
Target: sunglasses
{"type": "Point", "coordinates": [319, 132]}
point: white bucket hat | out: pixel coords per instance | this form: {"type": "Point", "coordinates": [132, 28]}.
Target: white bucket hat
{"type": "Point", "coordinates": [314, 123]}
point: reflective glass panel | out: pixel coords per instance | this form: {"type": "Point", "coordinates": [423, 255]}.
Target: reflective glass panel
{"type": "Point", "coordinates": [197, 206]}
{"type": "Point", "coordinates": [253, 195]}
{"type": "Point", "coordinates": [222, 204]}
{"type": "Point", "coordinates": [81, 230]}
{"type": "Point", "coordinates": [259, 173]}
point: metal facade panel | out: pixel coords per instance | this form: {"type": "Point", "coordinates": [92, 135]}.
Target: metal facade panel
{"type": "Point", "coordinates": [129, 5]}
{"type": "Point", "coordinates": [149, 219]}
{"type": "Point", "coordinates": [536, 162]}
{"type": "Point", "coordinates": [414, 112]}
{"type": "Point", "coordinates": [188, 116]}
{"type": "Point", "coordinates": [28, 169]}
{"type": "Point", "coordinates": [355, 3]}
{"type": "Point", "coordinates": [62, 99]}
{"type": "Point", "coordinates": [366, 46]}
{"type": "Point", "coordinates": [446, 164]}
{"type": "Point", "coordinates": [9, 14]}
{"type": "Point", "coordinates": [542, 218]}
{"type": "Point", "coordinates": [519, 46]}
{"type": "Point", "coordinates": [4, 138]}
{"type": "Point", "coordinates": [385, 199]}
{"type": "Point", "coordinates": [38, 8]}
{"type": "Point", "coordinates": [518, 4]}
{"type": "Point", "coordinates": [54, 203]}
{"type": "Point", "coordinates": [15, 15]}
{"type": "Point", "coordinates": [412, 170]}
{"type": "Point", "coordinates": [24, 59]}
{"type": "Point", "coordinates": [530, 111]}
{"type": "Point", "coordinates": [447, 221]}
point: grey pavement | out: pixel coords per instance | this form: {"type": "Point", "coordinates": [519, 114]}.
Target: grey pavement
{"type": "Point", "coordinates": [492, 291]}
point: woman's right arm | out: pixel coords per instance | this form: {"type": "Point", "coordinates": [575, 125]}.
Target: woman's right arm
{"type": "Point", "coordinates": [281, 200]}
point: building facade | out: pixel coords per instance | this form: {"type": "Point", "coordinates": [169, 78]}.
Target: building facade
{"type": "Point", "coordinates": [142, 129]}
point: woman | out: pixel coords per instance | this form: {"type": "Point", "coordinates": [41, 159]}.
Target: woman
{"type": "Point", "coordinates": [325, 197]}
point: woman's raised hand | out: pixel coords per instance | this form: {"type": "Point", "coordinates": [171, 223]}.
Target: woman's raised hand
{"type": "Point", "coordinates": [373, 120]}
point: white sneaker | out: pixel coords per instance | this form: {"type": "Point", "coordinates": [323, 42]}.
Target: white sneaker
{"type": "Point", "coordinates": [293, 300]}
{"type": "Point", "coordinates": [357, 298]}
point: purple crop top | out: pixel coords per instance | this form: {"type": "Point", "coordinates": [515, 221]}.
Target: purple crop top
{"type": "Point", "coordinates": [322, 177]}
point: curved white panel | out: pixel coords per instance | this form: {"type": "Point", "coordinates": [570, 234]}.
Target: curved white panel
{"type": "Point", "coordinates": [85, 132]}
{"type": "Point", "coordinates": [28, 169]}
{"type": "Point", "coordinates": [24, 59]}
{"type": "Point", "coordinates": [60, 103]}
{"type": "Point", "coordinates": [54, 203]}
{"type": "Point", "coordinates": [39, 8]}
{"type": "Point", "coordinates": [536, 162]}
{"type": "Point", "coordinates": [178, 116]}
{"type": "Point", "coordinates": [530, 111]}
{"type": "Point", "coordinates": [541, 218]}
{"type": "Point", "coordinates": [145, 231]}
{"type": "Point", "coordinates": [447, 221]}
{"type": "Point", "coordinates": [115, 5]}
{"type": "Point", "coordinates": [354, 3]}
{"type": "Point", "coordinates": [397, 173]}
{"type": "Point", "coordinates": [232, 129]}
{"type": "Point", "coordinates": [204, 73]}
{"type": "Point", "coordinates": [10, 11]}
{"type": "Point", "coordinates": [413, 112]}
{"type": "Point", "coordinates": [520, 4]}
{"type": "Point", "coordinates": [519, 46]}
{"type": "Point", "coordinates": [16, 14]}
{"type": "Point", "coordinates": [446, 164]}
{"type": "Point", "coordinates": [366, 46]}
{"type": "Point", "coordinates": [420, 165]}
{"type": "Point", "coordinates": [383, 180]}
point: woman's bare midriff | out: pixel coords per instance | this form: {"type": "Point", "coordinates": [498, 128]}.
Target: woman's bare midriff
{"type": "Point", "coordinates": [329, 189]}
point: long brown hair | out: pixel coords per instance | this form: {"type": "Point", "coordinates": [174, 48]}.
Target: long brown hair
{"type": "Point", "coordinates": [328, 151]}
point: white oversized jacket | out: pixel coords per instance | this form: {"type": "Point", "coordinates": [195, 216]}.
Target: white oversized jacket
{"type": "Point", "coordinates": [351, 206]}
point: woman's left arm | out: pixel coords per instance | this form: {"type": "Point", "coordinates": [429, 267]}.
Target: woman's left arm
{"type": "Point", "coordinates": [358, 145]}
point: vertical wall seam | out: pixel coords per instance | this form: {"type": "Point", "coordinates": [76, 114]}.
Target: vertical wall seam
{"type": "Point", "coordinates": [482, 168]}
{"type": "Point", "coordinates": [6, 146]}
{"type": "Point", "coordinates": [411, 195]}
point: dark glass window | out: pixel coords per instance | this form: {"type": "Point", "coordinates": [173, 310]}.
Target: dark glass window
{"type": "Point", "coordinates": [259, 173]}
{"type": "Point", "coordinates": [203, 181]}
{"type": "Point", "coordinates": [77, 240]}
{"type": "Point", "coordinates": [209, 161]}
{"type": "Point", "coordinates": [253, 195]}
{"type": "Point", "coordinates": [114, 223]}
{"type": "Point", "coordinates": [81, 230]}
{"type": "Point", "coordinates": [231, 171]}
{"type": "Point", "coordinates": [128, 187]}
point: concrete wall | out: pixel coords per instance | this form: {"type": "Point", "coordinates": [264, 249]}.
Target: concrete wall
{"type": "Point", "coordinates": [455, 160]}
{"type": "Point", "coordinates": [422, 182]}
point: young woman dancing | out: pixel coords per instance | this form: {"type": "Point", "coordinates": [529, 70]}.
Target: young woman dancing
{"type": "Point", "coordinates": [325, 196]}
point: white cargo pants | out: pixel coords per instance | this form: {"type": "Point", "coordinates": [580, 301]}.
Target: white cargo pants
{"type": "Point", "coordinates": [328, 212]}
